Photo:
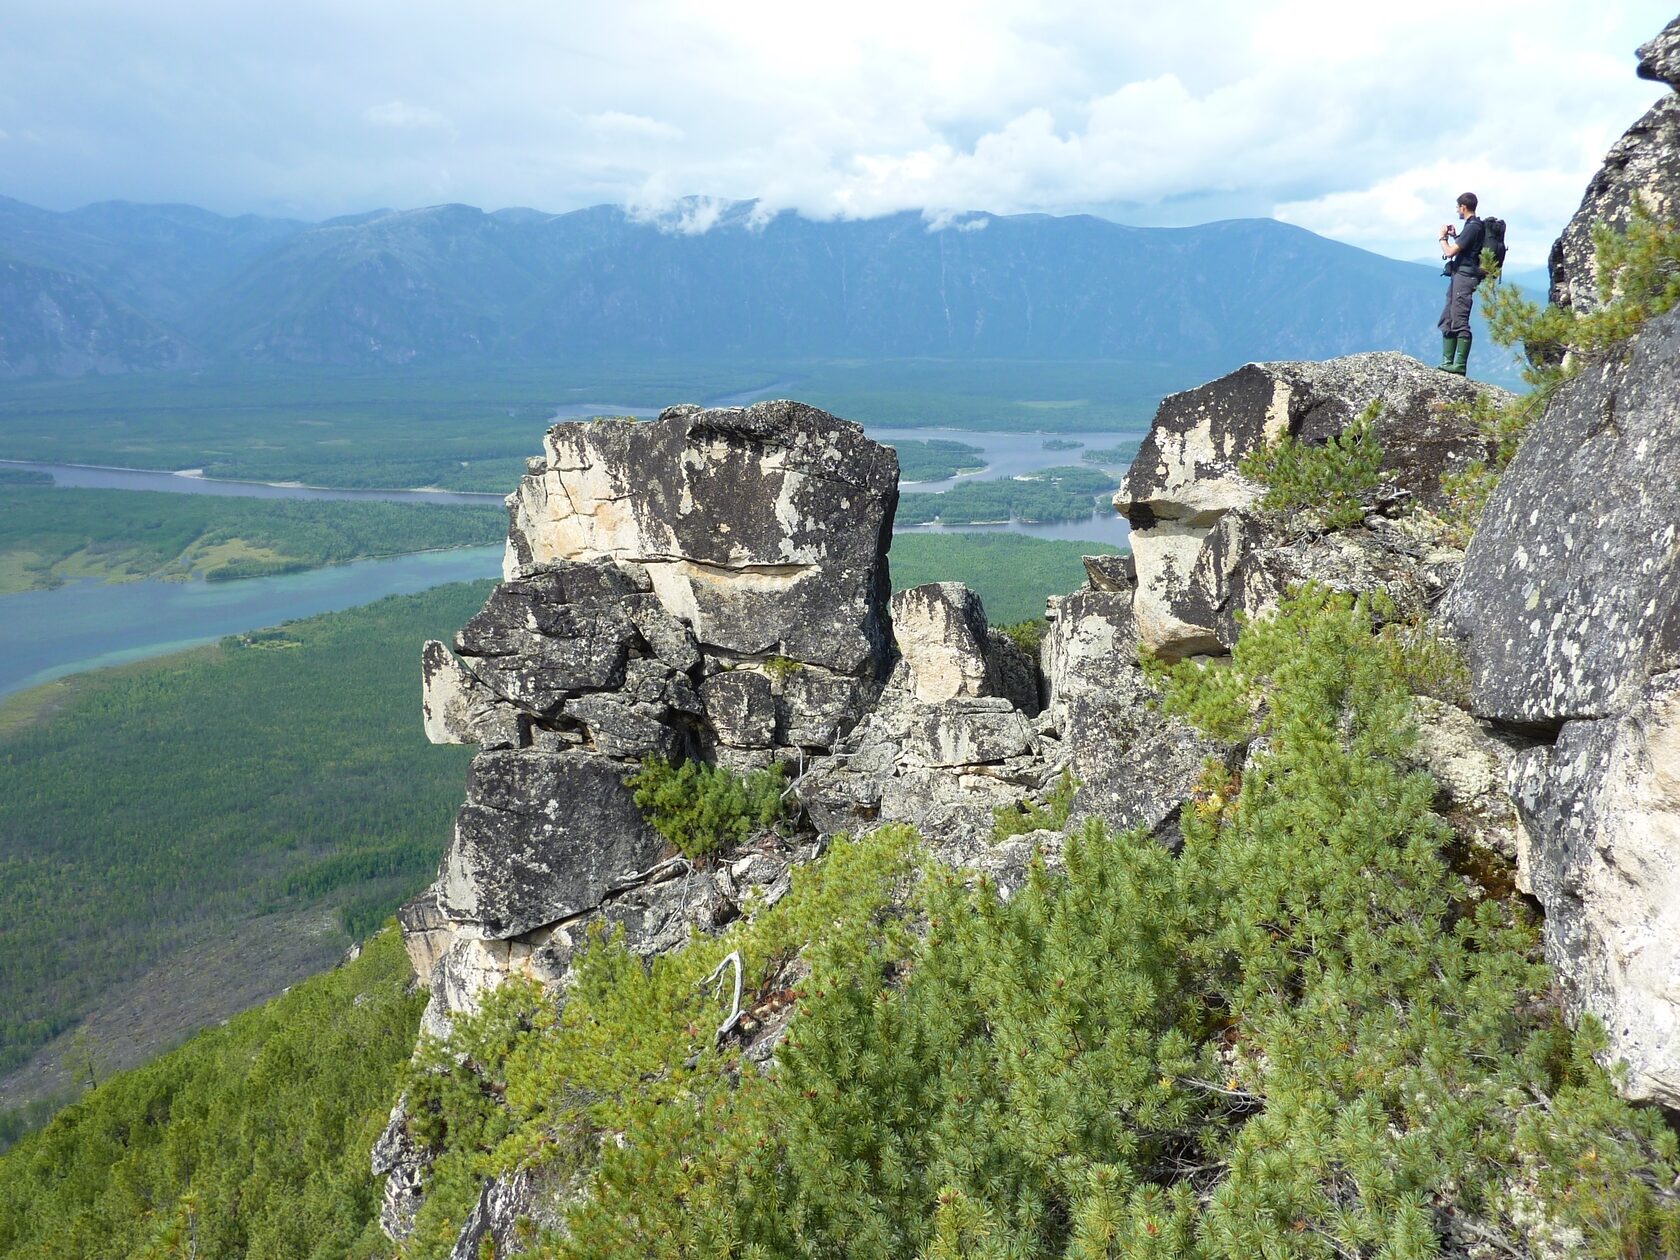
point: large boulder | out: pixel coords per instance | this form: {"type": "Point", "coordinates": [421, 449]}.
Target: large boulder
{"type": "Point", "coordinates": [1599, 848]}
{"type": "Point", "coordinates": [1641, 170]}
{"type": "Point", "coordinates": [764, 529]}
{"type": "Point", "coordinates": [951, 653]}
{"type": "Point", "coordinates": [1570, 595]}
{"type": "Point", "coordinates": [1187, 475]}
{"type": "Point", "coordinates": [1135, 765]}
{"type": "Point", "coordinates": [542, 836]}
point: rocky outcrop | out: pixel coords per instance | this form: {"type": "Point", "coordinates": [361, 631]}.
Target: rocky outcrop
{"type": "Point", "coordinates": [1194, 566]}
{"type": "Point", "coordinates": [1641, 170]}
{"type": "Point", "coordinates": [764, 529]}
{"type": "Point", "coordinates": [1569, 613]}
{"type": "Point", "coordinates": [1570, 598]}
{"type": "Point", "coordinates": [1568, 610]}
{"type": "Point", "coordinates": [1134, 765]}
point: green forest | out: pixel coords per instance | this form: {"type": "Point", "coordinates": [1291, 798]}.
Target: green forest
{"type": "Point", "coordinates": [48, 534]}
{"type": "Point", "coordinates": [250, 1140]}
{"type": "Point", "coordinates": [936, 459]}
{"type": "Point", "coordinates": [156, 806]}
{"type": "Point", "coordinates": [281, 774]}
{"type": "Point", "coordinates": [1063, 493]}
{"type": "Point", "coordinates": [462, 428]}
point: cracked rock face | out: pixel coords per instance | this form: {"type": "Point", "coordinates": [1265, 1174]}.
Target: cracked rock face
{"type": "Point", "coordinates": [1186, 478]}
{"type": "Point", "coordinates": [1135, 765]}
{"type": "Point", "coordinates": [764, 529]}
{"type": "Point", "coordinates": [1570, 596]}
{"type": "Point", "coordinates": [1601, 833]}
{"type": "Point", "coordinates": [1642, 169]}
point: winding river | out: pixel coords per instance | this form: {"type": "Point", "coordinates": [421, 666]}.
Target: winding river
{"type": "Point", "coordinates": [87, 624]}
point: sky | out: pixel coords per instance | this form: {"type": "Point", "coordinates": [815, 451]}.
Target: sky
{"type": "Point", "coordinates": [1360, 122]}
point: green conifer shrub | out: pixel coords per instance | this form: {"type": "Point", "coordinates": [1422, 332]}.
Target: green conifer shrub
{"type": "Point", "coordinates": [1303, 1036]}
{"type": "Point", "coordinates": [703, 808]}
{"type": "Point", "coordinates": [1017, 820]}
{"type": "Point", "coordinates": [1327, 482]}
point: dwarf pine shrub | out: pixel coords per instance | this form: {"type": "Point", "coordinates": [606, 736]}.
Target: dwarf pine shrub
{"type": "Point", "coordinates": [1053, 815]}
{"type": "Point", "coordinates": [703, 808]}
{"type": "Point", "coordinates": [1303, 1036]}
{"type": "Point", "coordinates": [1327, 482]}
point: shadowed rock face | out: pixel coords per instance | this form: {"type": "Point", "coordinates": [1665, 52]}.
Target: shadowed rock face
{"type": "Point", "coordinates": [1187, 479]}
{"type": "Point", "coordinates": [1642, 169]}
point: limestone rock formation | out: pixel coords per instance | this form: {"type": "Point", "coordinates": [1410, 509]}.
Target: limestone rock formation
{"type": "Point", "coordinates": [1570, 598]}
{"type": "Point", "coordinates": [1642, 169]}
{"type": "Point", "coordinates": [1569, 613]}
{"type": "Point", "coordinates": [1186, 480]}
{"type": "Point", "coordinates": [1568, 610]}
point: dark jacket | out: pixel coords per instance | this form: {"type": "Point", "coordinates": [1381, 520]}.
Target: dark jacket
{"type": "Point", "coordinates": [1471, 237]}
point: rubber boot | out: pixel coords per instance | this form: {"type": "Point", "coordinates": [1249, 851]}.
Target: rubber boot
{"type": "Point", "coordinates": [1461, 356]}
{"type": "Point", "coordinates": [1449, 347]}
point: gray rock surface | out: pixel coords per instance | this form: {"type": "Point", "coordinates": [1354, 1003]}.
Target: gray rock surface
{"type": "Point", "coordinates": [1601, 835]}
{"type": "Point", "coordinates": [940, 630]}
{"type": "Point", "coordinates": [1135, 765]}
{"type": "Point", "coordinates": [1659, 56]}
{"type": "Point", "coordinates": [764, 529]}
{"type": "Point", "coordinates": [1642, 169]}
{"type": "Point", "coordinates": [1470, 761]}
{"type": "Point", "coordinates": [741, 708]}
{"type": "Point", "coordinates": [542, 836]}
{"type": "Point", "coordinates": [1570, 596]}
{"type": "Point", "coordinates": [1186, 477]}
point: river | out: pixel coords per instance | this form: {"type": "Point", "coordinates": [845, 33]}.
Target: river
{"type": "Point", "coordinates": [87, 624]}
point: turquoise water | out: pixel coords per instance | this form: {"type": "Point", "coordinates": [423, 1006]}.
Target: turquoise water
{"type": "Point", "coordinates": [84, 625]}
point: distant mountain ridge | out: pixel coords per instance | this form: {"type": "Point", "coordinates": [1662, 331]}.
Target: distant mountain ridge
{"type": "Point", "coordinates": [120, 287]}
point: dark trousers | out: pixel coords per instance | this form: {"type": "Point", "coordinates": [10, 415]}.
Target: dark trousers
{"type": "Point", "coordinates": [1455, 315]}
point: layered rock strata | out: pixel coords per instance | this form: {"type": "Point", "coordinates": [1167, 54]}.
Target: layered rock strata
{"type": "Point", "coordinates": [1203, 553]}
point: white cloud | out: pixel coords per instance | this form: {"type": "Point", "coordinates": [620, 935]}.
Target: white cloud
{"type": "Point", "coordinates": [612, 124]}
{"type": "Point", "coordinates": [1402, 214]}
{"type": "Point", "coordinates": [1148, 112]}
{"type": "Point", "coordinates": [690, 216]}
{"type": "Point", "coordinates": [402, 115]}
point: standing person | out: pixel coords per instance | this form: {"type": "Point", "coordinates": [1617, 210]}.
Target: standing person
{"type": "Point", "coordinates": [1462, 248]}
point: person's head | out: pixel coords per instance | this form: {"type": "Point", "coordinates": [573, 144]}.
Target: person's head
{"type": "Point", "coordinates": [1466, 205]}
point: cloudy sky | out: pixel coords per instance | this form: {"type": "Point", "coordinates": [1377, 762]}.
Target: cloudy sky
{"type": "Point", "coordinates": [1361, 122]}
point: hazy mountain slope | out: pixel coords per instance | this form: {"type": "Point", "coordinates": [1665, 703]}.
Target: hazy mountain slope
{"type": "Point", "coordinates": [160, 259]}
{"type": "Point", "coordinates": [453, 282]}
{"type": "Point", "coordinates": [53, 323]}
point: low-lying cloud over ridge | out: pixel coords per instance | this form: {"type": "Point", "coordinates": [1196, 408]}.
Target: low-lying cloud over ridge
{"type": "Point", "coordinates": [1348, 124]}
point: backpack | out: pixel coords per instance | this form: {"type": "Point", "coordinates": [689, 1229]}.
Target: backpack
{"type": "Point", "coordinates": [1494, 238]}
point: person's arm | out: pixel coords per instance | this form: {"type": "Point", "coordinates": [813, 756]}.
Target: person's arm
{"type": "Point", "coordinates": [1470, 241]}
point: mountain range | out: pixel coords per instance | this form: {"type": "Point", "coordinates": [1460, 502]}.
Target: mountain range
{"type": "Point", "coordinates": [117, 287]}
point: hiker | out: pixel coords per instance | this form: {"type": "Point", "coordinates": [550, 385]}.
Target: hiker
{"type": "Point", "coordinates": [1462, 248]}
